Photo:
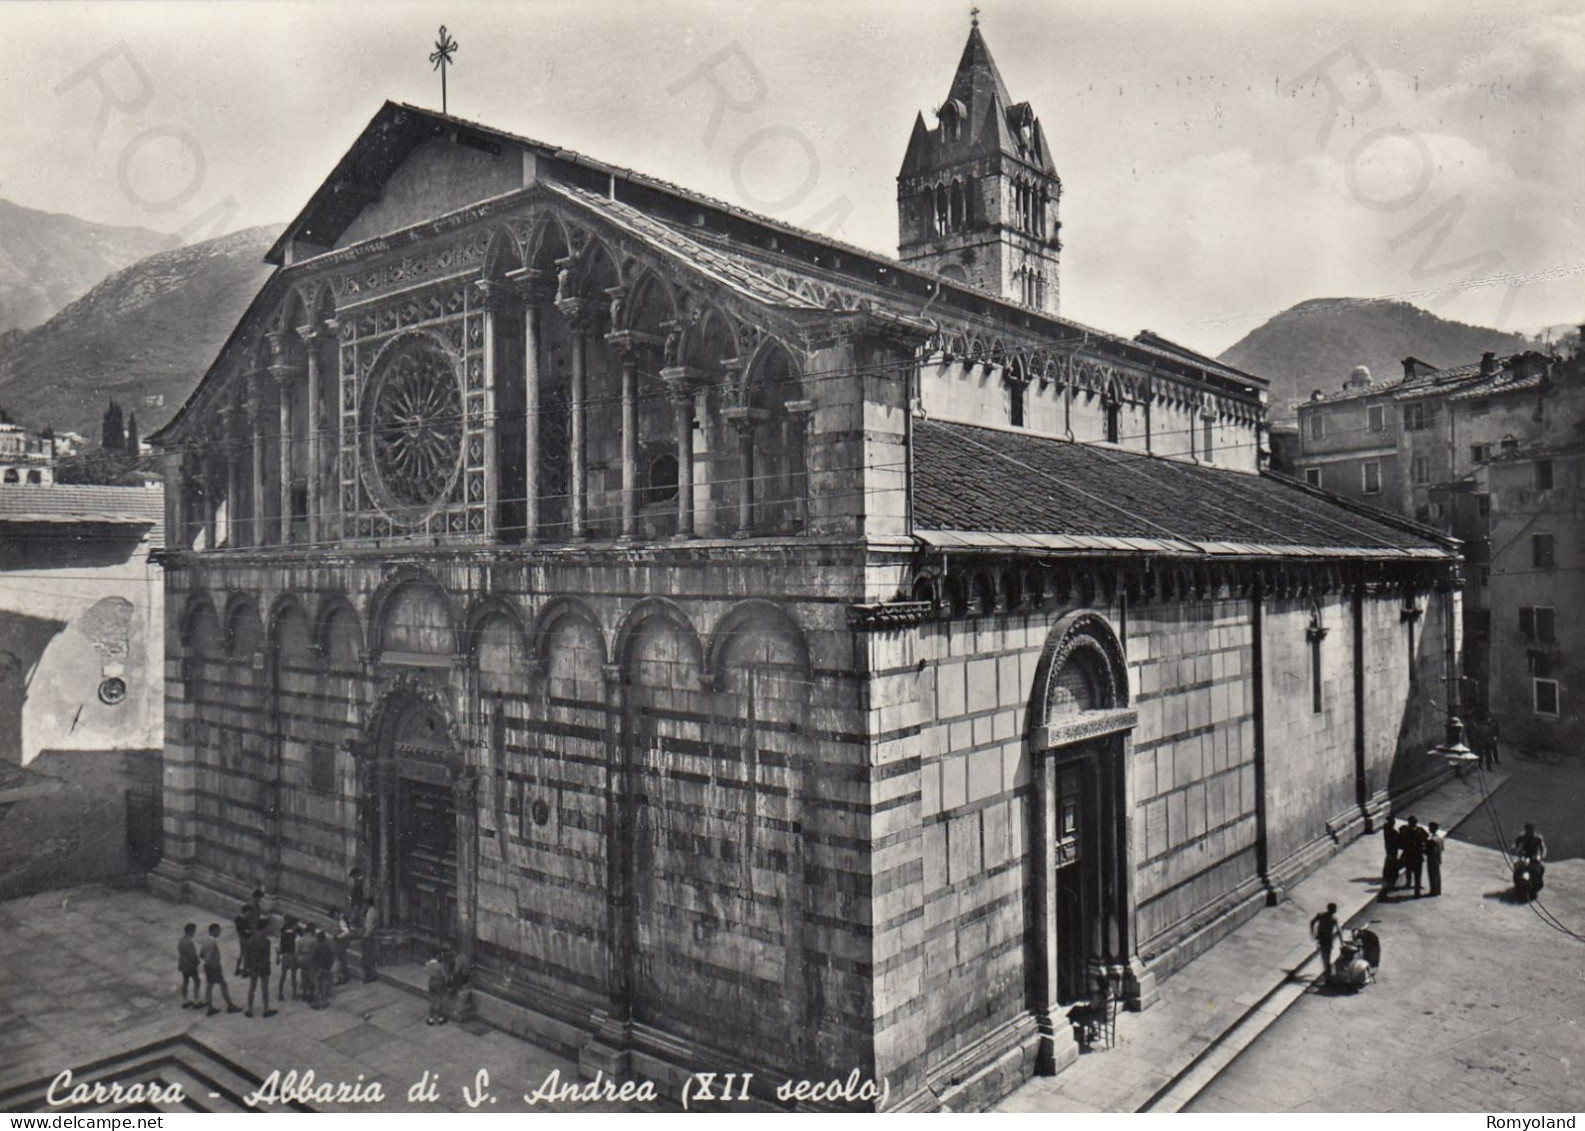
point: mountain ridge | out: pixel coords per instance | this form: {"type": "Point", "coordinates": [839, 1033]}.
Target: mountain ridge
{"type": "Point", "coordinates": [50, 259]}
{"type": "Point", "coordinates": [144, 335]}
{"type": "Point", "coordinates": [1316, 343]}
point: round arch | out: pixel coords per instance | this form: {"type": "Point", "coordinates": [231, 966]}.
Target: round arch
{"type": "Point", "coordinates": [552, 615]}
{"type": "Point", "coordinates": [243, 629]}
{"type": "Point", "coordinates": [329, 607]}
{"type": "Point", "coordinates": [756, 615]}
{"type": "Point", "coordinates": [392, 590]}
{"type": "Point", "coordinates": [1082, 652]}
{"type": "Point", "coordinates": [481, 612]}
{"type": "Point", "coordinates": [652, 608]}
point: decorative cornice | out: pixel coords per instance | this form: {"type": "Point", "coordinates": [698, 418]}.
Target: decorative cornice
{"type": "Point", "coordinates": [891, 614]}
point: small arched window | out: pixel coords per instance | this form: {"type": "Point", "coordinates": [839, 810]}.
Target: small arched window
{"type": "Point", "coordinates": [1080, 685]}
{"type": "Point", "coordinates": [661, 482]}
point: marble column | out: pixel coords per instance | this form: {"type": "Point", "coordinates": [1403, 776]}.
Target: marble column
{"type": "Point", "coordinates": [229, 428]}
{"type": "Point", "coordinates": [313, 337]}
{"type": "Point", "coordinates": [577, 322]}
{"type": "Point", "coordinates": [743, 420]}
{"type": "Point", "coordinates": [629, 443]}
{"type": "Point", "coordinates": [284, 388]}
{"type": "Point", "coordinates": [285, 374]}
{"type": "Point", "coordinates": [680, 391]}
{"type": "Point", "coordinates": [531, 419]}
{"type": "Point", "coordinates": [492, 296]}
{"type": "Point", "coordinates": [799, 415]}
{"type": "Point", "coordinates": [531, 291]}
{"type": "Point", "coordinates": [256, 531]}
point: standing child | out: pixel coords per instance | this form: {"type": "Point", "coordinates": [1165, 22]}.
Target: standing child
{"type": "Point", "coordinates": [244, 921]}
{"type": "Point", "coordinates": [215, 972]}
{"type": "Point", "coordinates": [287, 949]}
{"type": "Point", "coordinates": [187, 964]}
{"type": "Point", "coordinates": [438, 979]}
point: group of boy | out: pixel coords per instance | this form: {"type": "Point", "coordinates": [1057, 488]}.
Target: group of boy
{"type": "Point", "coordinates": [312, 960]}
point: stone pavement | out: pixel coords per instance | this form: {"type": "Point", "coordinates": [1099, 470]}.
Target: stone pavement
{"type": "Point", "coordinates": [1217, 1005]}
{"type": "Point", "coordinates": [92, 971]}
{"type": "Point", "coordinates": [1479, 1005]}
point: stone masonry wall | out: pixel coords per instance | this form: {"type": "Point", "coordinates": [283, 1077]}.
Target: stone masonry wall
{"type": "Point", "coordinates": [721, 680]}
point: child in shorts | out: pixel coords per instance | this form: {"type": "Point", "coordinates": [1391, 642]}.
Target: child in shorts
{"type": "Point", "coordinates": [187, 966]}
{"type": "Point", "coordinates": [286, 948]}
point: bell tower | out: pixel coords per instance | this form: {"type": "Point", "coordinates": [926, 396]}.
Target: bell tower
{"type": "Point", "coordinates": [977, 194]}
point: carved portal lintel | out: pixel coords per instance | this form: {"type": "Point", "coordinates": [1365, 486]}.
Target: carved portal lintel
{"type": "Point", "coordinates": [1084, 725]}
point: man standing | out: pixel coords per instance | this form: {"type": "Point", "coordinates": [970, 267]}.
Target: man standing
{"type": "Point", "coordinates": [256, 961]}
{"type": "Point", "coordinates": [1490, 754]}
{"type": "Point", "coordinates": [1433, 858]}
{"type": "Point", "coordinates": [1325, 927]}
{"type": "Point", "coordinates": [214, 972]}
{"type": "Point", "coordinates": [324, 963]}
{"type": "Point", "coordinates": [1412, 853]}
{"type": "Point", "coordinates": [1390, 841]}
{"type": "Point", "coordinates": [355, 893]}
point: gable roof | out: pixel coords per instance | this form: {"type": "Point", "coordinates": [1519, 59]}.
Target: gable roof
{"type": "Point", "coordinates": [399, 128]}
{"type": "Point", "coordinates": [1041, 493]}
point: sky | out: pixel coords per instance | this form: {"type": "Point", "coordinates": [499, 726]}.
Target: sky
{"type": "Point", "coordinates": [1220, 162]}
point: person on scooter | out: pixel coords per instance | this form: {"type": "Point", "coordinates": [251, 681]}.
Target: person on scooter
{"type": "Point", "coordinates": [1529, 848]}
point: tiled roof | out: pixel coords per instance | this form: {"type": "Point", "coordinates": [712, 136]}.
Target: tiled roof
{"type": "Point", "coordinates": [87, 505]}
{"type": "Point", "coordinates": [985, 486]}
{"type": "Point", "coordinates": [1499, 383]}
{"type": "Point", "coordinates": [729, 270]}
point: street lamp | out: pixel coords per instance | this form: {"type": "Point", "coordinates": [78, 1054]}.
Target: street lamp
{"type": "Point", "coordinates": [1454, 750]}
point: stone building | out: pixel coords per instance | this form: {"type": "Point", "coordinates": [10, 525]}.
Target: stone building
{"type": "Point", "coordinates": [1484, 452]}
{"type": "Point", "coordinates": [81, 695]}
{"type": "Point", "coordinates": [26, 458]}
{"type": "Point", "coordinates": [754, 652]}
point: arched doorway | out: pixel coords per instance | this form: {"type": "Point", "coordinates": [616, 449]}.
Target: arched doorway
{"type": "Point", "coordinates": [1080, 729]}
{"type": "Point", "coordinates": [416, 824]}
{"type": "Point", "coordinates": [425, 832]}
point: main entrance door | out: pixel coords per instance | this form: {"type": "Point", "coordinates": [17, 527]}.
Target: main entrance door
{"type": "Point", "coordinates": [1075, 886]}
{"type": "Point", "coordinates": [426, 859]}
{"type": "Point", "coordinates": [421, 820]}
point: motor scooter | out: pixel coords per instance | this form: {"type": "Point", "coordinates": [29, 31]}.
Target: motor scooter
{"type": "Point", "coordinates": [1528, 873]}
{"type": "Point", "coordinates": [1358, 957]}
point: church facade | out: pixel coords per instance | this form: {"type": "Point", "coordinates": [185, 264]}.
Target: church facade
{"type": "Point", "coordinates": [750, 652]}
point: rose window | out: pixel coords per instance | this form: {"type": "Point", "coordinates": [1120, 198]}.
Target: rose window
{"type": "Point", "coordinates": [415, 424]}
